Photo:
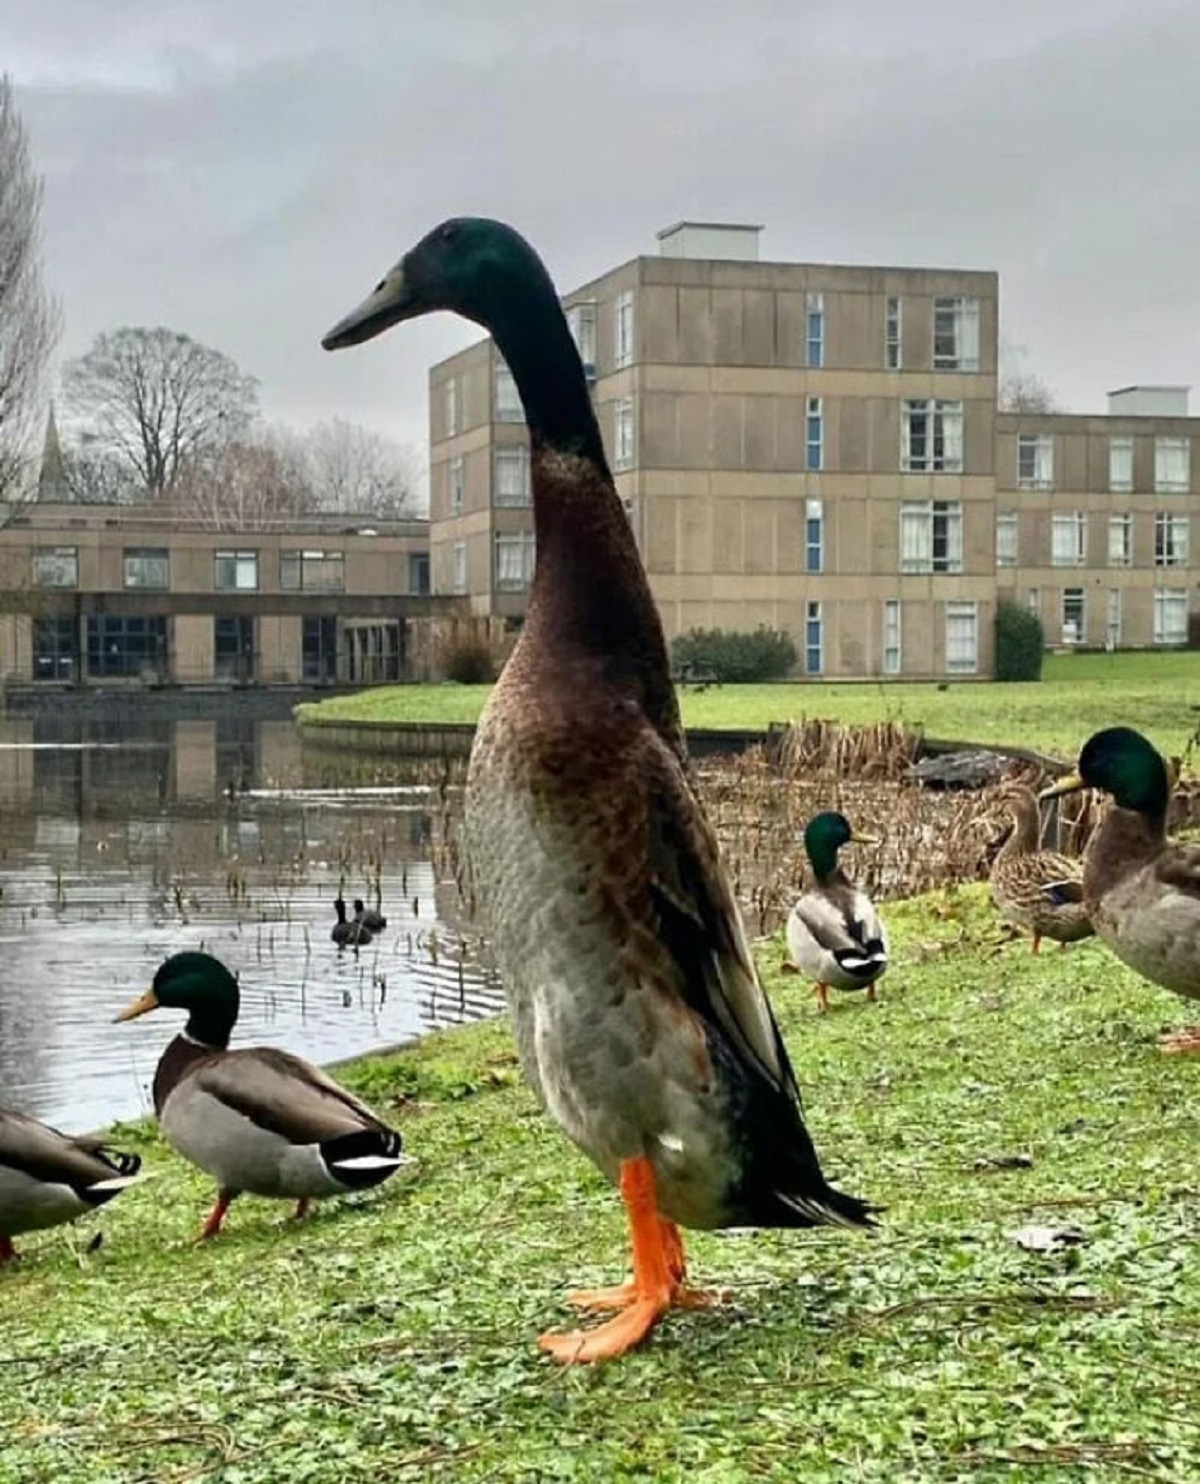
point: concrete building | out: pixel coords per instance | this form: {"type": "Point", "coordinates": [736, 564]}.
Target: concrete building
{"type": "Point", "coordinates": [127, 595]}
{"type": "Point", "coordinates": [817, 448]}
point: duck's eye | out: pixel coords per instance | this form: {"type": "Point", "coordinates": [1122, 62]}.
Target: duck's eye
{"type": "Point", "coordinates": [381, 285]}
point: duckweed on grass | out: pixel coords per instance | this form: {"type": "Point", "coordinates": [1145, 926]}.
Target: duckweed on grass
{"type": "Point", "coordinates": [1079, 694]}
{"type": "Point", "coordinates": [392, 1337]}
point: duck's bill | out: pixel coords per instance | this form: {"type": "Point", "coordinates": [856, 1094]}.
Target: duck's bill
{"type": "Point", "coordinates": [857, 839]}
{"type": "Point", "coordinates": [141, 1006]}
{"type": "Point", "coordinates": [389, 303]}
{"type": "Point", "coordinates": [1071, 784]}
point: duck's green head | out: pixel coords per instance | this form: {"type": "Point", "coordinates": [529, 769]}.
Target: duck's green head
{"type": "Point", "coordinates": [1124, 764]}
{"type": "Point", "coordinates": [824, 836]}
{"type": "Point", "coordinates": [470, 264]}
{"type": "Point", "coordinates": [199, 984]}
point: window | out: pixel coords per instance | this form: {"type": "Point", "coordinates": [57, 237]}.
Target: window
{"type": "Point", "coordinates": [147, 567]}
{"type": "Point", "coordinates": [451, 406]}
{"type": "Point", "coordinates": [1120, 465]}
{"type": "Point", "coordinates": [56, 566]}
{"type": "Point", "coordinates": [458, 570]}
{"type": "Point", "coordinates": [892, 334]}
{"type": "Point", "coordinates": [1120, 539]}
{"type": "Point", "coordinates": [514, 561]}
{"type": "Point", "coordinates": [1112, 636]}
{"type": "Point", "coordinates": [318, 650]}
{"type": "Point", "coordinates": [372, 652]}
{"type": "Point", "coordinates": [956, 334]}
{"type": "Point", "coordinates": [891, 636]}
{"type": "Point", "coordinates": [1068, 538]}
{"type": "Point", "coordinates": [119, 646]}
{"type": "Point", "coordinates": [814, 435]}
{"type": "Point", "coordinates": [581, 319]}
{"type": "Point", "coordinates": [962, 638]}
{"type": "Point", "coordinates": [624, 329]}
{"type": "Point", "coordinates": [418, 573]}
{"type": "Point", "coordinates": [235, 571]}
{"type": "Point", "coordinates": [1035, 461]}
{"type": "Point", "coordinates": [623, 434]}
{"type": "Point", "coordinates": [814, 330]}
{"type": "Point", "coordinates": [508, 401]}
{"type": "Point", "coordinates": [55, 648]}
{"type": "Point", "coordinates": [931, 437]}
{"type": "Point", "coordinates": [1172, 466]}
{"type": "Point", "coordinates": [1074, 616]}
{"type": "Point", "coordinates": [1170, 540]}
{"type": "Point", "coordinates": [1170, 615]}
{"type": "Point", "coordinates": [1035, 600]}
{"type": "Point", "coordinates": [814, 659]}
{"type": "Point", "coordinates": [814, 536]}
{"type": "Point", "coordinates": [931, 536]}
{"type": "Point", "coordinates": [312, 571]}
{"type": "Point", "coordinates": [512, 478]}
{"type": "Point", "coordinates": [457, 483]}
{"type": "Point", "coordinates": [1006, 538]}
{"type": "Point", "coordinates": [233, 648]}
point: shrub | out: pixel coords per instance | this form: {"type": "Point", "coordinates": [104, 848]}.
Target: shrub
{"type": "Point", "coordinates": [468, 659]}
{"type": "Point", "coordinates": [735, 659]}
{"type": "Point", "coordinates": [1020, 642]}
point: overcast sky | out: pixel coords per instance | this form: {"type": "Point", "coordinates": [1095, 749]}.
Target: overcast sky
{"type": "Point", "coordinates": [243, 170]}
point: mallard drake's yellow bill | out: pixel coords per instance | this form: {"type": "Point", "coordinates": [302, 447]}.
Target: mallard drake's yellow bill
{"type": "Point", "coordinates": [857, 839]}
{"type": "Point", "coordinates": [1071, 784]}
{"type": "Point", "coordinates": [141, 1006]}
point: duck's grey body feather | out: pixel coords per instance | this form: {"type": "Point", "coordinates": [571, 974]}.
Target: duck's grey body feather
{"type": "Point", "coordinates": [47, 1177]}
{"type": "Point", "coordinates": [836, 937]}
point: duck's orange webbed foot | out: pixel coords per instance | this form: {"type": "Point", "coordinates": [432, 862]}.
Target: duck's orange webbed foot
{"type": "Point", "coordinates": [659, 1281]}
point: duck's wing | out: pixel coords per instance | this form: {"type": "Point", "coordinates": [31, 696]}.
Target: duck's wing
{"type": "Point", "coordinates": [43, 1153]}
{"type": "Point", "coordinates": [1178, 866]}
{"type": "Point", "coordinates": [284, 1094]}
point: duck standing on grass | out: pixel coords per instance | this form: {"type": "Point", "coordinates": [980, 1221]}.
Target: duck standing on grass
{"type": "Point", "coordinates": [834, 934]}
{"type": "Point", "coordinates": [1037, 890]}
{"type": "Point", "coordinates": [48, 1178]}
{"type": "Point", "coordinates": [639, 1017]}
{"type": "Point", "coordinates": [257, 1119]}
{"type": "Point", "coordinates": [1140, 889]}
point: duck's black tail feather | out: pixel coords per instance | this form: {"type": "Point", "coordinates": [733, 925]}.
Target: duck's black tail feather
{"type": "Point", "coordinates": [361, 1160]}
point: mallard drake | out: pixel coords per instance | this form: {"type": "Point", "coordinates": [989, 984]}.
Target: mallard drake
{"type": "Point", "coordinates": [834, 934]}
{"type": "Point", "coordinates": [257, 1119]}
{"type": "Point", "coordinates": [639, 1017]}
{"type": "Point", "coordinates": [373, 921]}
{"type": "Point", "coordinates": [1140, 889]}
{"type": "Point", "coordinates": [345, 934]}
{"type": "Point", "coordinates": [47, 1178]}
{"type": "Point", "coordinates": [1037, 890]}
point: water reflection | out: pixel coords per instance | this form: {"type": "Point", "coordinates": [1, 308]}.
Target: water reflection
{"type": "Point", "coordinates": [130, 833]}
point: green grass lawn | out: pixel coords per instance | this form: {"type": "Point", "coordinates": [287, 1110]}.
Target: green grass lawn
{"type": "Point", "coordinates": [392, 1336]}
{"type": "Point", "coordinates": [1078, 695]}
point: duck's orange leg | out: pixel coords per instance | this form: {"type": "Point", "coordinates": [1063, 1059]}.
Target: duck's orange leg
{"type": "Point", "coordinates": [682, 1297]}
{"type": "Point", "coordinates": [822, 993]}
{"type": "Point", "coordinates": [1037, 942]}
{"type": "Point", "coordinates": [652, 1281]}
{"type": "Point", "coordinates": [216, 1216]}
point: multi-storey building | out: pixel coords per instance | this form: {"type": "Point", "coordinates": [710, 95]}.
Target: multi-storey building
{"type": "Point", "coordinates": [817, 448]}
{"type": "Point", "coordinates": [1094, 519]}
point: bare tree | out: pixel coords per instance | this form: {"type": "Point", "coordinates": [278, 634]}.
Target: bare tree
{"type": "Point", "coordinates": [94, 476]}
{"type": "Point", "coordinates": [1022, 390]}
{"type": "Point", "coordinates": [241, 487]}
{"type": "Point", "coordinates": [354, 469]}
{"type": "Point", "coordinates": [29, 318]}
{"type": "Point", "coordinates": [158, 399]}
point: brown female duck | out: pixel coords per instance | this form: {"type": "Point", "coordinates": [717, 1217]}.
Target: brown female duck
{"type": "Point", "coordinates": [1037, 890]}
{"type": "Point", "coordinates": [639, 1017]}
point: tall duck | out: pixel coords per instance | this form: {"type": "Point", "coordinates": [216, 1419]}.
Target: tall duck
{"type": "Point", "coordinates": [639, 1017]}
{"type": "Point", "coordinates": [257, 1119]}
{"type": "Point", "coordinates": [1140, 889]}
{"type": "Point", "coordinates": [48, 1178]}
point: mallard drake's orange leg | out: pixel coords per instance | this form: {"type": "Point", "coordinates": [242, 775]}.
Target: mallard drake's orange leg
{"type": "Point", "coordinates": [652, 1282]}
{"type": "Point", "coordinates": [302, 1208]}
{"type": "Point", "coordinates": [8, 1253]}
{"type": "Point", "coordinates": [1037, 942]}
{"type": "Point", "coordinates": [216, 1216]}
{"type": "Point", "coordinates": [822, 993]}
{"type": "Point", "coordinates": [1181, 1043]}
{"type": "Point", "coordinates": [871, 993]}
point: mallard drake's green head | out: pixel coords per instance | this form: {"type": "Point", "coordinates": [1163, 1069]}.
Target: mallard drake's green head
{"type": "Point", "coordinates": [469, 264]}
{"type": "Point", "coordinates": [199, 984]}
{"type": "Point", "coordinates": [824, 836]}
{"type": "Point", "coordinates": [1121, 762]}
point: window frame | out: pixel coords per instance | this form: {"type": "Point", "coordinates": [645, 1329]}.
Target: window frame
{"type": "Point", "coordinates": [966, 328]}
{"type": "Point", "coordinates": [941, 415]}
{"type": "Point", "coordinates": [304, 557]}
{"type": "Point", "coordinates": [146, 554]}
{"type": "Point", "coordinates": [511, 457]}
{"type": "Point", "coordinates": [967, 607]}
{"type": "Point", "coordinates": [624, 330]}
{"type": "Point", "coordinates": [42, 563]}
{"type": "Point", "coordinates": [893, 333]}
{"type": "Point", "coordinates": [814, 537]}
{"type": "Point", "coordinates": [814, 613]}
{"type": "Point", "coordinates": [237, 556]}
{"type": "Point", "coordinates": [814, 329]}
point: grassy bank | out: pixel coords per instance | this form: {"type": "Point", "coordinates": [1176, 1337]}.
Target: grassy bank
{"type": "Point", "coordinates": [392, 1337]}
{"type": "Point", "coordinates": [1078, 695]}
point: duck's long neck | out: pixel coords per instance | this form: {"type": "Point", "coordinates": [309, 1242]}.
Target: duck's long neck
{"type": "Point", "coordinates": [1124, 841]}
{"type": "Point", "coordinates": [590, 599]}
{"type": "Point", "coordinates": [1025, 837]}
{"type": "Point", "coordinates": [178, 1059]}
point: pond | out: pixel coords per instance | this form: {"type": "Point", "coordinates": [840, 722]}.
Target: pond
{"type": "Point", "coordinates": [129, 831]}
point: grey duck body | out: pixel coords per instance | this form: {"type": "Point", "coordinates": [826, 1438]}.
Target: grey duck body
{"type": "Point", "coordinates": [47, 1177]}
